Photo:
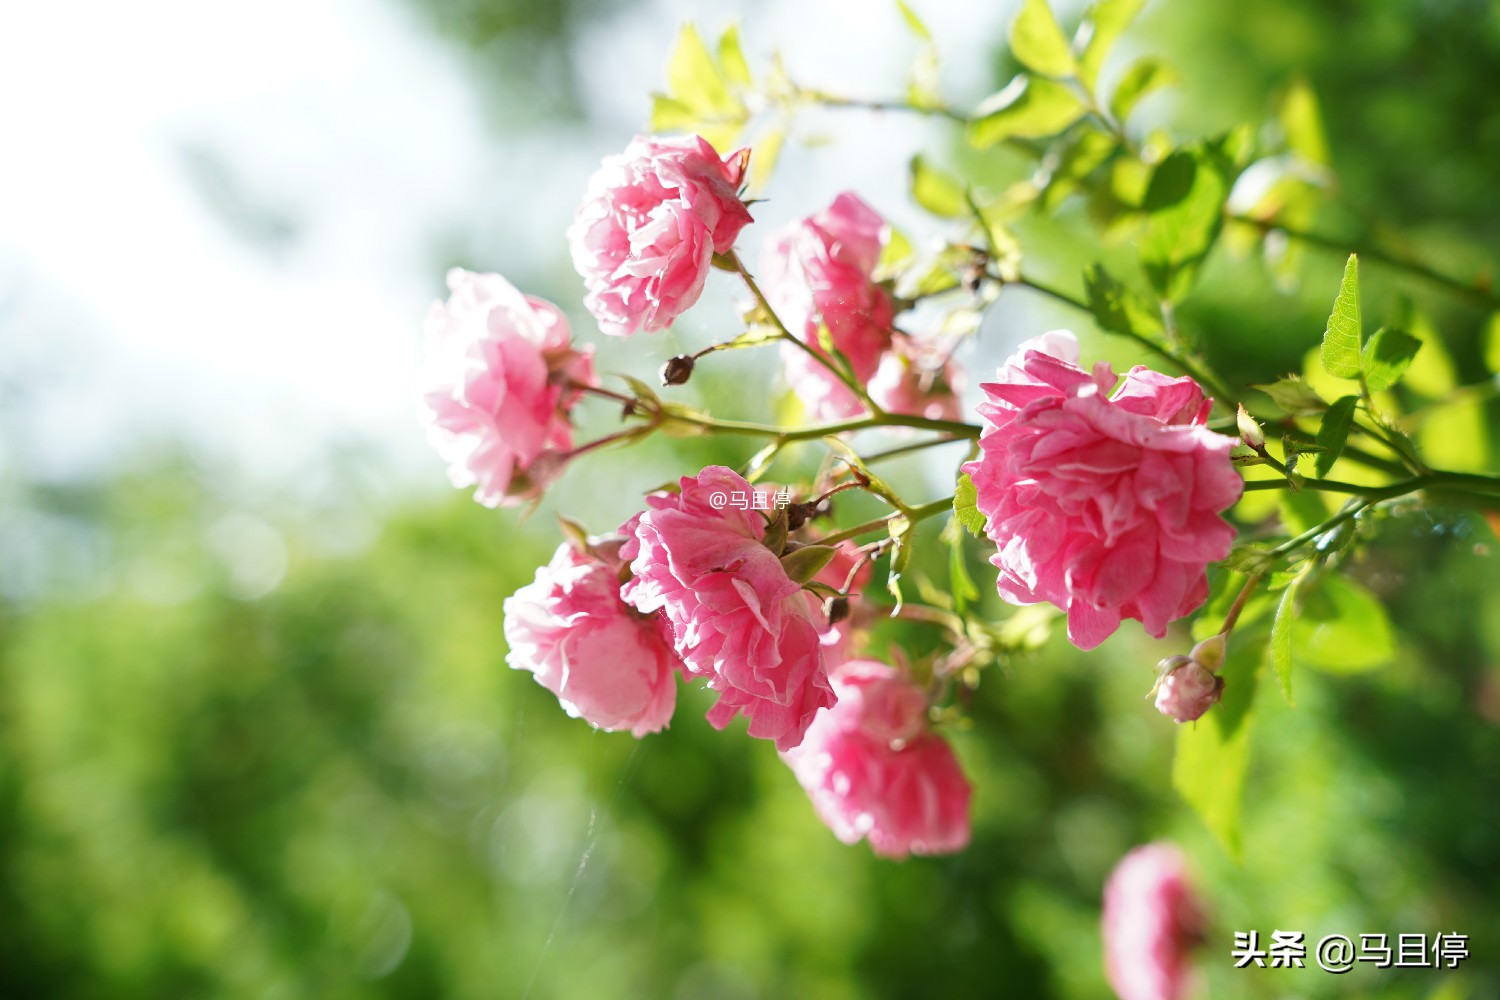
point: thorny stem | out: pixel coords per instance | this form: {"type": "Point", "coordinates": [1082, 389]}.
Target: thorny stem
{"type": "Point", "coordinates": [1240, 601]}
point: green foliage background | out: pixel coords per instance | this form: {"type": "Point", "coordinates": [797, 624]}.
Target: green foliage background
{"type": "Point", "coordinates": [338, 790]}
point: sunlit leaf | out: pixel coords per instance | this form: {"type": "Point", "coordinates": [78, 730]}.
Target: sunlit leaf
{"type": "Point", "coordinates": [1341, 341]}
{"type": "Point", "coordinates": [965, 506]}
{"type": "Point", "coordinates": [1294, 396]}
{"type": "Point", "coordinates": [1105, 22]}
{"type": "Point", "coordinates": [1144, 76]}
{"type": "Point", "coordinates": [766, 152]}
{"type": "Point", "coordinates": [939, 192]}
{"type": "Point", "coordinates": [1386, 357]}
{"type": "Point", "coordinates": [900, 528]}
{"type": "Point", "coordinates": [1116, 308]}
{"type": "Point", "coordinates": [1342, 627]}
{"type": "Point", "coordinates": [1303, 123]}
{"type": "Point", "coordinates": [913, 21]}
{"type": "Point", "coordinates": [1038, 43]}
{"type": "Point", "coordinates": [1334, 431]}
{"type": "Point", "coordinates": [960, 584]}
{"type": "Point", "coordinates": [1186, 204]}
{"type": "Point", "coordinates": [804, 563]}
{"type": "Point", "coordinates": [1029, 107]}
{"type": "Point", "coordinates": [732, 57]}
{"type": "Point", "coordinates": [693, 77]}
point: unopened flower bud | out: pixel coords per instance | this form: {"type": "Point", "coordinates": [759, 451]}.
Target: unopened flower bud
{"type": "Point", "coordinates": [837, 608]}
{"type": "Point", "coordinates": [677, 370]}
{"type": "Point", "coordinates": [1210, 652]}
{"type": "Point", "coordinates": [1187, 690]}
{"type": "Point", "coordinates": [1250, 431]}
{"type": "Point", "coordinates": [1171, 663]}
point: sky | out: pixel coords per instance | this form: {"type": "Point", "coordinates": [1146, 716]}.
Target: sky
{"type": "Point", "coordinates": [223, 225]}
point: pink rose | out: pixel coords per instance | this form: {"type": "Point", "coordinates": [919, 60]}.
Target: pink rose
{"type": "Point", "coordinates": [1106, 506]}
{"type": "Point", "coordinates": [817, 272]}
{"type": "Point", "coordinates": [495, 388]}
{"type": "Point", "coordinates": [1187, 689]}
{"type": "Point", "coordinates": [646, 233]}
{"type": "Point", "coordinates": [738, 619]}
{"type": "Point", "coordinates": [917, 380]}
{"type": "Point", "coordinates": [874, 769]}
{"type": "Point", "coordinates": [1152, 921]}
{"type": "Point", "coordinates": [606, 662]}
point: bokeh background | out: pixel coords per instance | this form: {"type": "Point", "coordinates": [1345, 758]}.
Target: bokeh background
{"type": "Point", "coordinates": [257, 737]}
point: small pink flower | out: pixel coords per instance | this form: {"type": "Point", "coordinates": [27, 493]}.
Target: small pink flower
{"type": "Point", "coordinates": [646, 233]}
{"type": "Point", "coordinates": [1187, 689]}
{"type": "Point", "coordinates": [737, 618]}
{"type": "Point", "coordinates": [817, 272]}
{"type": "Point", "coordinates": [1106, 506]}
{"type": "Point", "coordinates": [874, 769]}
{"type": "Point", "coordinates": [917, 380]}
{"type": "Point", "coordinates": [495, 389]}
{"type": "Point", "coordinates": [1152, 921]}
{"type": "Point", "coordinates": [605, 661]}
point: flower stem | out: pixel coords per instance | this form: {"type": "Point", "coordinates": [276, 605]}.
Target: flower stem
{"type": "Point", "coordinates": [915, 514]}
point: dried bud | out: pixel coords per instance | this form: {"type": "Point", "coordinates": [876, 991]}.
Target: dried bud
{"type": "Point", "coordinates": [1187, 690]}
{"type": "Point", "coordinates": [837, 608]}
{"type": "Point", "coordinates": [1210, 652]}
{"type": "Point", "coordinates": [796, 516]}
{"type": "Point", "coordinates": [677, 370]}
{"type": "Point", "coordinates": [1250, 431]}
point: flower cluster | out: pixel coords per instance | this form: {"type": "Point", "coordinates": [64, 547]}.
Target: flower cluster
{"type": "Point", "coordinates": [1102, 500]}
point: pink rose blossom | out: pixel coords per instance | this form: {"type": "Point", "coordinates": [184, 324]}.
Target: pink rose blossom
{"type": "Point", "coordinates": [1187, 689]}
{"type": "Point", "coordinates": [646, 233]}
{"type": "Point", "coordinates": [1106, 506]}
{"type": "Point", "coordinates": [605, 661]}
{"type": "Point", "coordinates": [494, 387]}
{"type": "Point", "coordinates": [1152, 921]}
{"type": "Point", "coordinates": [817, 272]}
{"type": "Point", "coordinates": [738, 619]}
{"type": "Point", "coordinates": [915, 380]}
{"type": "Point", "coordinates": [874, 769]}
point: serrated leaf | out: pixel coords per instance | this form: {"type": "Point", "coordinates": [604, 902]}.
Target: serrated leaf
{"type": "Point", "coordinates": [940, 193]}
{"type": "Point", "coordinates": [913, 21]}
{"type": "Point", "coordinates": [1342, 628]}
{"type": "Point", "coordinates": [1294, 396]}
{"type": "Point", "coordinates": [1334, 431]}
{"type": "Point", "coordinates": [1144, 76]}
{"type": "Point", "coordinates": [966, 506]}
{"type": "Point", "coordinates": [1281, 640]}
{"type": "Point", "coordinates": [806, 562]}
{"type": "Point", "coordinates": [1105, 23]}
{"type": "Point", "coordinates": [1213, 754]}
{"type": "Point", "coordinates": [1029, 107]}
{"type": "Point", "coordinates": [1185, 200]}
{"type": "Point", "coordinates": [732, 57]}
{"type": "Point", "coordinates": [1038, 43]}
{"type": "Point", "coordinates": [1341, 340]}
{"type": "Point", "coordinates": [1386, 357]}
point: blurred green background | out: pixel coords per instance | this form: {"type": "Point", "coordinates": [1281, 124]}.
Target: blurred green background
{"type": "Point", "coordinates": [260, 741]}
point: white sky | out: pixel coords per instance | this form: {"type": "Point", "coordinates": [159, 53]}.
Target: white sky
{"type": "Point", "coordinates": [130, 308]}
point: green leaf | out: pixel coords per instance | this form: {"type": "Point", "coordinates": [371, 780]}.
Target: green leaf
{"type": "Point", "coordinates": [1105, 23]}
{"type": "Point", "coordinates": [940, 193]}
{"type": "Point", "coordinates": [1294, 396]}
{"type": "Point", "coordinates": [1144, 76]}
{"type": "Point", "coordinates": [965, 506]}
{"type": "Point", "coordinates": [1303, 124]}
{"type": "Point", "coordinates": [732, 57]}
{"type": "Point", "coordinates": [1116, 308]}
{"type": "Point", "coordinates": [1030, 107]}
{"type": "Point", "coordinates": [1334, 431]}
{"type": "Point", "coordinates": [1185, 200]}
{"type": "Point", "coordinates": [1281, 640]}
{"type": "Point", "coordinates": [1301, 510]}
{"type": "Point", "coordinates": [960, 583]}
{"type": "Point", "coordinates": [1341, 341]}
{"type": "Point", "coordinates": [1492, 344]}
{"type": "Point", "coordinates": [802, 564]}
{"type": "Point", "coordinates": [873, 483]}
{"type": "Point", "coordinates": [1038, 43]}
{"type": "Point", "coordinates": [1342, 628]}
{"type": "Point", "coordinates": [694, 79]}
{"type": "Point", "coordinates": [766, 151]}
{"type": "Point", "coordinates": [1213, 754]}
{"type": "Point", "coordinates": [1386, 357]}
{"type": "Point", "coordinates": [670, 115]}
{"type": "Point", "coordinates": [913, 21]}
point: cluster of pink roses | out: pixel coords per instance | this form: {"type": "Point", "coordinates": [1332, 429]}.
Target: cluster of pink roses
{"type": "Point", "coordinates": [1106, 505]}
